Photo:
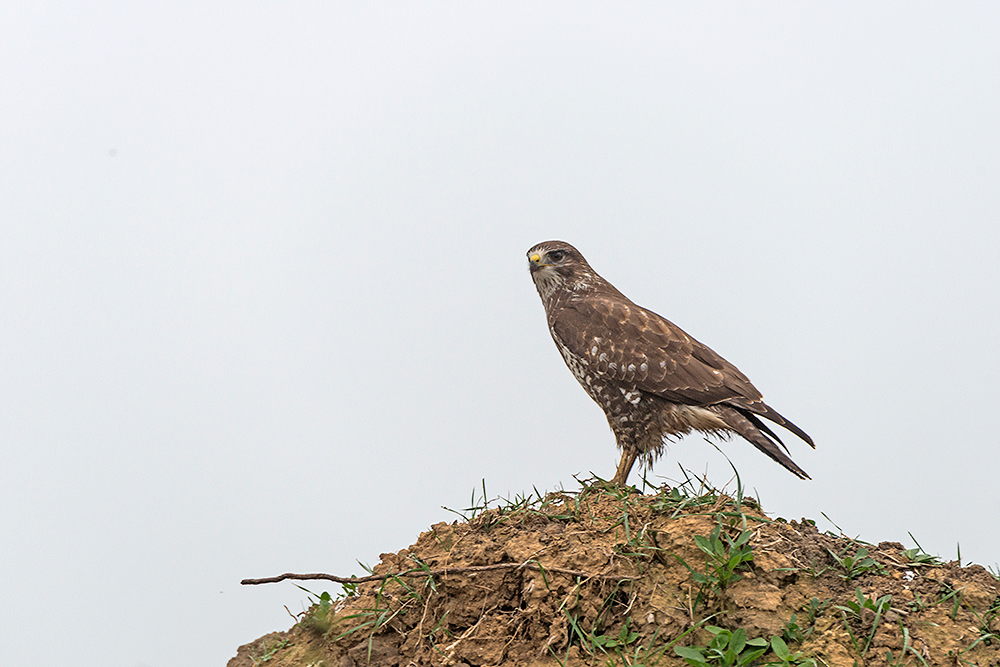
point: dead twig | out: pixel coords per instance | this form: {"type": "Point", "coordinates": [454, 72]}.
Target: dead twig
{"type": "Point", "coordinates": [528, 565]}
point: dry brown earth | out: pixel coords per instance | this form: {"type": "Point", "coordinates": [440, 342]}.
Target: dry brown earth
{"type": "Point", "coordinates": [613, 577]}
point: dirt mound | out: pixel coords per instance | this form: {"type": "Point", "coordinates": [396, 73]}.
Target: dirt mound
{"type": "Point", "coordinates": [607, 576]}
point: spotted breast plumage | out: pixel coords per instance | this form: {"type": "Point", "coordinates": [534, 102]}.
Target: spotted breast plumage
{"type": "Point", "coordinates": [653, 381]}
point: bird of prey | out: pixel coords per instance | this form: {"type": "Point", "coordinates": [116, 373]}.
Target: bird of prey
{"type": "Point", "coordinates": [653, 381]}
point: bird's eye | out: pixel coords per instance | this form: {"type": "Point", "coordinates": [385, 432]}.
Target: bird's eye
{"type": "Point", "coordinates": [556, 255]}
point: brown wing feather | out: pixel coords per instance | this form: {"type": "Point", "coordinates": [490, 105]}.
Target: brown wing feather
{"type": "Point", "coordinates": [628, 343]}
{"type": "Point", "coordinates": [766, 411]}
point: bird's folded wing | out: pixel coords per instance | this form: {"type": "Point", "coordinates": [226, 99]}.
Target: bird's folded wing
{"type": "Point", "coordinates": [634, 346]}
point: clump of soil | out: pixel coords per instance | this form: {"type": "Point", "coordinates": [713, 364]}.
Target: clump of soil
{"type": "Point", "coordinates": [608, 576]}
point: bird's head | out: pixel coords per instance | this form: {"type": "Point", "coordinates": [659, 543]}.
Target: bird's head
{"type": "Point", "coordinates": [556, 265]}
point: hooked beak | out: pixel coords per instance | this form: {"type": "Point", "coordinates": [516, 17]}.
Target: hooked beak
{"type": "Point", "coordinates": [535, 262]}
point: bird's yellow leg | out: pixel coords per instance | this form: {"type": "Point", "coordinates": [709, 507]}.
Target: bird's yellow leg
{"type": "Point", "coordinates": [625, 467]}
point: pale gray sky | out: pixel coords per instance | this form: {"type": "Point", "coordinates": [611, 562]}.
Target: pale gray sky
{"type": "Point", "coordinates": [266, 306]}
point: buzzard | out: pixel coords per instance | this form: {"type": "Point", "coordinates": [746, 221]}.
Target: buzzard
{"type": "Point", "coordinates": [653, 381]}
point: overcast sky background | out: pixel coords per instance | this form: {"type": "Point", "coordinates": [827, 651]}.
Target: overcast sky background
{"type": "Point", "coordinates": [266, 307]}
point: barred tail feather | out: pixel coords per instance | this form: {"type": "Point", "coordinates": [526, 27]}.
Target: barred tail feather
{"type": "Point", "coordinates": [749, 428]}
{"type": "Point", "coordinates": [764, 410]}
